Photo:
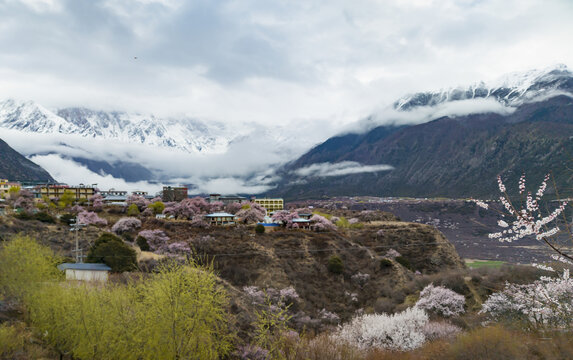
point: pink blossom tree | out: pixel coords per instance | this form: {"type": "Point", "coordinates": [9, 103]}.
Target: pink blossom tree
{"type": "Point", "coordinates": [251, 213]}
{"type": "Point", "coordinates": [320, 223]}
{"type": "Point", "coordinates": [91, 218]}
{"type": "Point", "coordinates": [156, 239]}
{"type": "Point", "coordinates": [97, 202]}
{"type": "Point", "coordinates": [138, 200]}
{"type": "Point", "coordinates": [25, 204]}
{"type": "Point", "coordinates": [178, 248]}
{"type": "Point", "coordinates": [285, 218]}
{"type": "Point", "coordinates": [126, 224]}
{"type": "Point", "coordinates": [233, 208]}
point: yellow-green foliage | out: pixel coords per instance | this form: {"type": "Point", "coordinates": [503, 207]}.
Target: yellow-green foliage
{"type": "Point", "coordinates": [24, 266]}
{"type": "Point", "coordinates": [344, 223]}
{"type": "Point", "coordinates": [328, 216]}
{"type": "Point", "coordinates": [67, 199]}
{"type": "Point", "coordinates": [176, 313]}
{"type": "Point", "coordinates": [10, 340]}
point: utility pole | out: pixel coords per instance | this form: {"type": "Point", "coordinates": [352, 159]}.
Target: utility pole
{"type": "Point", "coordinates": [77, 252]}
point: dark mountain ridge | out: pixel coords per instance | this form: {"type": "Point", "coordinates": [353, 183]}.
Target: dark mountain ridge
{"type": "Point", "coordinates": [449, 157]}
{"type": "Point", "coordinates": [15, 167]}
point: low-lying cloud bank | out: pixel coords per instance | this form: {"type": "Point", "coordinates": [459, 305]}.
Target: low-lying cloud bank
{"type": "Point", "coordinates": [339, 169]}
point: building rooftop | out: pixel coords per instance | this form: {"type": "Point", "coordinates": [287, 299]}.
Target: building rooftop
{"type": "Point", "coordinates": [88, 267]}
{"type": "Point", "coordinates": [220, 214]}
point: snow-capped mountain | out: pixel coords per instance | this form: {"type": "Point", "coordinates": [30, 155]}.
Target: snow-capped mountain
{"type": "Point", "coordinates": [184, 134]}
{"type": "Point", "coordinates": [511, 90]}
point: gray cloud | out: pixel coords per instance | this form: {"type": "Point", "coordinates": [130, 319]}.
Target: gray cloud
{"type": "Point", "coordinates": [269, 62]}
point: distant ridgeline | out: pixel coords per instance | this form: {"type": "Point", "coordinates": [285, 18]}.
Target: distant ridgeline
{"type": "Point", "coordinates": [16, 167]}
{"type": "Point", "coordinates": [449, 156]}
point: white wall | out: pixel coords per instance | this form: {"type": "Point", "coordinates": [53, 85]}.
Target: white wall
{"type": "Point", "coordinates": [86, 275]}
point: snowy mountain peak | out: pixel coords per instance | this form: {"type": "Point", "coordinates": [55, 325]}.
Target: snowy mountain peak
{"type": "Point", "coordinates": [511, 90]}
{"type": "Point", "coordinates": [184, 134]}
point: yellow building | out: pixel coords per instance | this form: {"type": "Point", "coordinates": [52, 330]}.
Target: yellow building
{"type": "Point", "coordinates": [271, 204]}
{"type": "Point", "coordinates": [56, 191]}
{"type": "Point", "coordinates": [5, 185]}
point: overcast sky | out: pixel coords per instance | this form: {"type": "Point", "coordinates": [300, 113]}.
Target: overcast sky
{"type": "Point", "coordinates": [268, 61]}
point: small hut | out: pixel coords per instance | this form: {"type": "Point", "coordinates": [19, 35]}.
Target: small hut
{"type": "Point", "coordinates": [85, 272]}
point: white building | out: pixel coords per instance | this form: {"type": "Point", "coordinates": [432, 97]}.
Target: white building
{"type": "Point", "coordinates": [85, 272]}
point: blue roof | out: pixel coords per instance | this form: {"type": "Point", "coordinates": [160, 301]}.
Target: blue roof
{"type": "Point", "coordinates": [77, 266]}
{"type": "Point", "coordinates": [269, 224]}
{"type": "Point", "coordinates": [220, 214]}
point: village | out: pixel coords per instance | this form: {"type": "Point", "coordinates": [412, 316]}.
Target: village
{"type": "Point", "coordinates": [78, 206]}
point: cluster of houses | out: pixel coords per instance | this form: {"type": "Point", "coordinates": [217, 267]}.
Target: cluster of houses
{"type": "Point", "coordinates": [115, 197]}
{"type": "Point", "coordinates": [111, 197]}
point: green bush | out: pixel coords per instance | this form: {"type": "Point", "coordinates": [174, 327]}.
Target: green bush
{"type": "Point", "coordinates": [260, 229]}
{"type": "Point", "coordinates": [113, 252]}
{"type": "Point", "coordinates": [132, 210]}
{"type": "Point", "coordinates": [142, 243]}
{"type": "Point", "coordinates": [404, 262]}
{"type": "Point", "coordinates": [157, 207]}
{"type": "Point", "coordinates": [385, 264]}
{"type": "Point", "coordinates": [335, 264]}
{"type": "Point", "coordinates": [22, 215]}
{"type": "Point", "coordinates": [67, 218]}
{"type": "Point", "coordinates": [44, 217]}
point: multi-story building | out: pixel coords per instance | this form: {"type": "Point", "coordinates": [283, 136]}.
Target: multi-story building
{"type": "Point", "coordinates": [56, 191]}
{"type": "Point", "coordinates": [225, 199]}
{"type": "Point", "coordinates": [5, 186]}
{"type": "Point", "coordinates": [271, 204]}
{"type": "Point", "coordinates": [173, 193]}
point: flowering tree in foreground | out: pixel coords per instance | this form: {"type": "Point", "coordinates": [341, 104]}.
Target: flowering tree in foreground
{"type": "Point", "coordinates": [528, 220]}
{"type": "Point", "coordinates": [251, 213]}
{"type": "Point", "coordinates": [441, 301]}
{"type": "Point", "coordinates": [548, 302]}
{"type": "Point", "coordinates": [402, 331]}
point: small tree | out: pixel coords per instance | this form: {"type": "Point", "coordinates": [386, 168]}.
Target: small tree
{"type": "Point", "coordinates": [142, 243]}
{"type": "Point", "coordinates": [260, 229]}
{"type": "Point", "coordinates": [157, 207]}
{"type": "Point", "coordinates": [441, 301]}
{"type": "Point", "coordinates": [112, 251]}
{"type": "Point", "coordinates": [126, 224]}
{"type": "Point", "coordinates": [156, 239]}
{"type": "Point", "coordinates": [91, 218]}
{"type": "Point", "coordinates": [132, 210]}
{"type": "Point", "coordinates": [335, 264]}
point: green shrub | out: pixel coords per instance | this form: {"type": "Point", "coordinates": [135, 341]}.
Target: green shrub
{"type": "Point", "coordinates": [22, 215]}
{"type": "Point", "coordinates": [385, 264]}
{"type": "Point", "coordinates": [113, 252]}
{"type": "Point", "coordinates": [142, 243]}
{"type": "Point", "coordinates": [10, 341]}
{"type": "Point", "coordinates": [157, 207]}
{"type": "Point", "coordinates": [335, 264]}
{"type": "Point", "coordinates": [127, 237]}
{"type": "Point", "coordinates": [260, 229]}
{"type": "Point", "coordinates": [44, 217]}
{"type": "Point", "coordinates": [404, 262]}
{"type": "Point", "coordinates": [67, 218]}
{"type": "Point", "coordinates": [132, 210]}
